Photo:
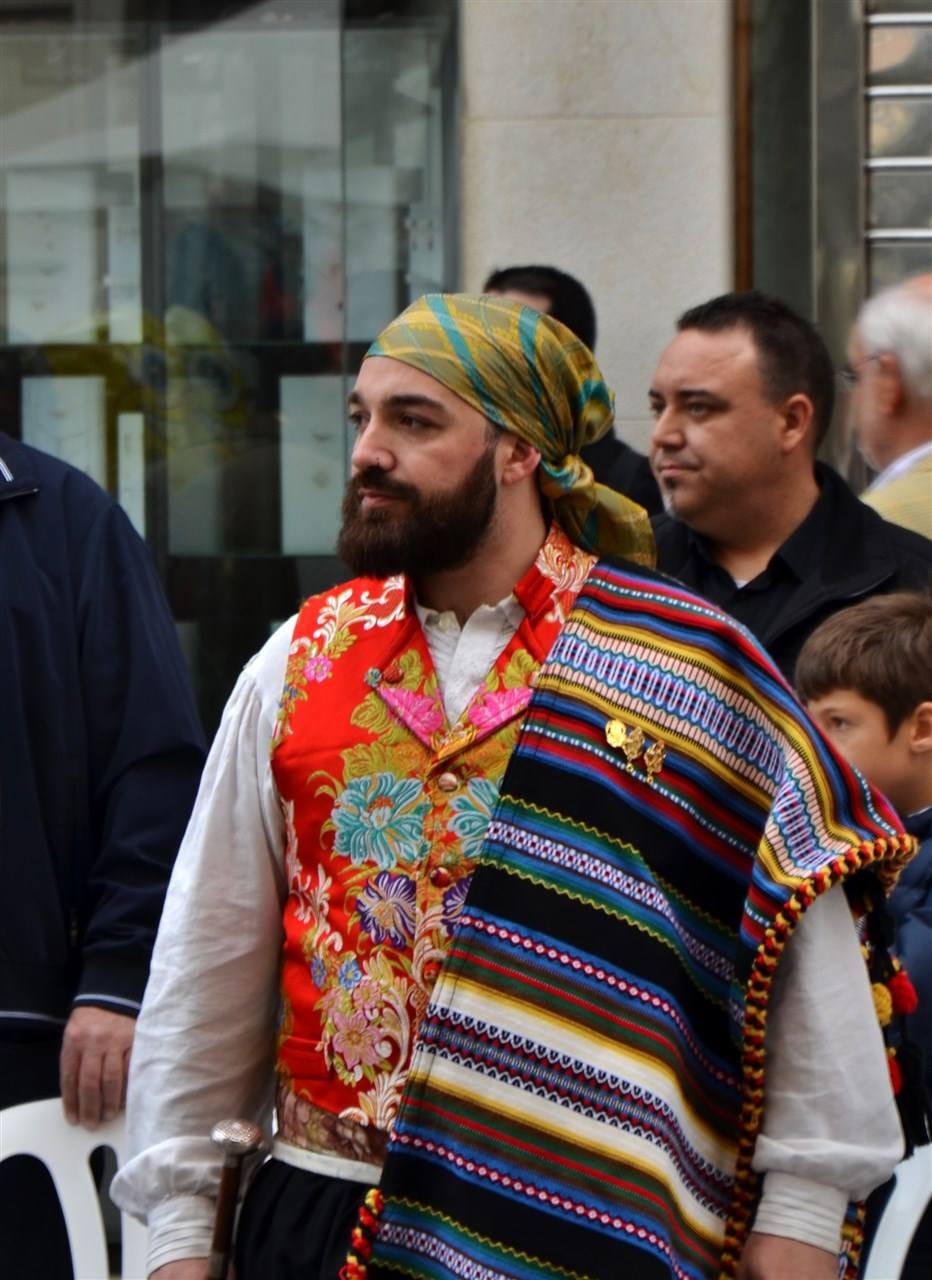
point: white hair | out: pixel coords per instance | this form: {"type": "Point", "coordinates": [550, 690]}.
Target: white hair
{"type": "Point", "coordinates": [899, 320]}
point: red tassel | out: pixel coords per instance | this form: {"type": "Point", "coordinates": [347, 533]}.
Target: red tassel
{"type": "Point", "coordinates": [905, 999]}
{"type": "Point", "coordinates": [896, 1075]}
{"type": "Point", "coordinates": [362, 1235]}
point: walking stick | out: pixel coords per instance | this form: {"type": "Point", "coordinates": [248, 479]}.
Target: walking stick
{"type": "Point", "coordinates": [236, 1139]}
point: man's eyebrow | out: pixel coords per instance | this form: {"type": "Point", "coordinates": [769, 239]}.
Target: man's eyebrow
{"type": "Point", "coordinates": [684, 392]}
{"type": "Point", "coordinates": [404, 401]}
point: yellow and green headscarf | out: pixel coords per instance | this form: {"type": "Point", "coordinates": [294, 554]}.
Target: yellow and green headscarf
{"type": "Point", "coordinates": [530, 375]}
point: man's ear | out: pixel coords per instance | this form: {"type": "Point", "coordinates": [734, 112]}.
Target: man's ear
{"type": "Point", "coordinates": [519, 459]}
{"type": "Point", "coordinates": [920, 728]}
{"type": "Point", "coordinates": [798, 423]}
{"type": "Point", "coordinates": [889, 389]}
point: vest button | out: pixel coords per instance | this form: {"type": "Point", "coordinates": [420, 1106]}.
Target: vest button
{"type": "Point", "coordinates": [440, 877]}
{"type": "Point", "coordinates": [448, 782]}
{"type": "Point", "coordinates": [393, 673]}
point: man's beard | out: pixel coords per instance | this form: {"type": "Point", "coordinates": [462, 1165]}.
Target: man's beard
{"type": "Point", "coordinates": [417, 535]}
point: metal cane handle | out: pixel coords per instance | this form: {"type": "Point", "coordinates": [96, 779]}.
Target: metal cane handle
{"type": "Point", "coordinates": [236, 1139]}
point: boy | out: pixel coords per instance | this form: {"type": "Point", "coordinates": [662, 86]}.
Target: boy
{"type": "Point", "coordinates": [865, 676]}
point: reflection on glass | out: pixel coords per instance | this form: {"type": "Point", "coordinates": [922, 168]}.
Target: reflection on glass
{"type": "Point", "coordinates": [204, 220]}
{"type": "Point", "coordinates": [251, 137]}
{"type": "Point", "coordinates": [65, 417]}
{"type": "Point", "coordinates": [313, 463]}
{"type": "Point", "coordinates": [891, 263]}
{"type": "Point", "coordinates": [901, 199]}
{"type": "Point", "coordinates": [393, 125]}
{"type": "Point", "coordinates": [69, 164]}
{"type": "Point", "coordinates": [899, 55]}
{"type": "Point", "coordinates": [901, 127]}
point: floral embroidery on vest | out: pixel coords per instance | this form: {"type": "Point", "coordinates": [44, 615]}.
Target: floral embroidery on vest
{"type": "Point", "coordinates": [386, 806]}
{"type": "Point", "coordinates": [311, 658]}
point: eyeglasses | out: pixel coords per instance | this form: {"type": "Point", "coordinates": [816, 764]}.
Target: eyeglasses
{"type": "Point", "coordinates": [850, 375]}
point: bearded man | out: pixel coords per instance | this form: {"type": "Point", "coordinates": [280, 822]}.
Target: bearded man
{"type": "Point", "coordinates": [497, 851]}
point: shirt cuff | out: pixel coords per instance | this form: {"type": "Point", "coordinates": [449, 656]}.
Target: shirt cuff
{"type": "Point", "coordinates": [179, 1228]}
{"type": "Point", "coordinates": [802, 1210]}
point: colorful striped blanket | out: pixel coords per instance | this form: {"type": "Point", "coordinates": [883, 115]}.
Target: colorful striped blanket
{"type": "Point", "coordinates": [589, 1082]}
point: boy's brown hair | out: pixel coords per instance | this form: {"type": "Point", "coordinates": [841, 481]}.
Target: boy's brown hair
{"type": "Point", "coordinates": [880, 648]}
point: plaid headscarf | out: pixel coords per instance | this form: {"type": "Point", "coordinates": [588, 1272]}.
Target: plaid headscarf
{"type": "Point", "coordinates": [530, 375]}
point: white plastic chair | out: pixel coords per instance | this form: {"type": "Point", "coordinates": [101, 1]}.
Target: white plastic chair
{"type": "Point", "coordinates": [901, 1216]}
{"type": "Point", "coordinates": [39, 1129]}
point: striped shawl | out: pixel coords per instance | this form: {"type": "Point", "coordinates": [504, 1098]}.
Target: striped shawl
{"type": "Point", "coordinates": [589, 1083]}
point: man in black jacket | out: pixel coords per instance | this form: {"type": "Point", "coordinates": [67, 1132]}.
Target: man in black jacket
{"type": "Point", "coordinates": [741, 397]}
{"type": "Point", "coordinates": [562, 296]}
{"type": "Point", "coordinates": [100, 756]}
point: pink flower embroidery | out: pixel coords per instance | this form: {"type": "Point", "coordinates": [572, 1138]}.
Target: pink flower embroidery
{"type": "Point", "coordinates": [318, 668]}
{"type": "Point", "coordinates": [422, 715]}
{"type": "Point", "coordinates": [492, 709]}
{"type": "Point", "coordinates": [355, 1039]}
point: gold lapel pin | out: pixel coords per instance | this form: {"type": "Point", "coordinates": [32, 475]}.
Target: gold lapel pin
{"type": "Point", "coordinates": [632, 743]}
{"type": "Point", "coordinates": [653, 760]}
{"type": "Point", "coordinates": [632, 746]}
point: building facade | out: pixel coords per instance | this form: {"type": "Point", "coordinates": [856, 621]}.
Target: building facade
{"type": "Point", "coordinates": [209, 209]}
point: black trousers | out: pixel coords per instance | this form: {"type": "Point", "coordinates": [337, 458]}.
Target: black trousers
{"type": "Point", "coordinates": [295, 1225]}
{"type": "Point", "coordinates": [33, 1239]}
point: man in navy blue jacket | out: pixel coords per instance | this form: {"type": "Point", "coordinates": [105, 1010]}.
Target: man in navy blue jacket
{"type": "Point", "coordinates": [100, 756]}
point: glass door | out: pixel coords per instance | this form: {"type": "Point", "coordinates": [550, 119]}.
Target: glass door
{"type": "Point", "coordinates": [207, 212]}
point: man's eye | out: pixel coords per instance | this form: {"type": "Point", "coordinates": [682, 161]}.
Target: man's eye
{"type": "Point", "coordinates": [416, 424]}
{"type": "Point", "coordinates": [697, 409]}
{"type": "Point", "coordinates": [355, 421]}
{"type": "Point", "coordinates": [656, 408]}
{"type": "Point", "coordinates": [837, 722]}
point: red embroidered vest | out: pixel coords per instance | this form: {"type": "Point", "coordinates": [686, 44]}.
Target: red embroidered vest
{"type": "Point", "coordinates": [386, 807]}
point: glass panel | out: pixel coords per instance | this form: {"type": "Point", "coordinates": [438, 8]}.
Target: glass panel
{"type": "Point", "coordinates": [894, 6]}
{"type": "Point", "coordinates": [891, 263]}
{"type": "Point", "coordinates": [206, 215]}
{"type": "Point", "coordinates": [252, 159]}
{"type": "Point", "coordinates": [901, 199]}
{"type": "Point", "coordinates": [899, 55]}
{"type": "Point", "coordinates": [69, 148]}
{"type": "Point", "coordinates": [782, 203]}
{"type": "Point", "coordinates": [393, 122]}
{"type": "Point", "coordinates": [900, 127]}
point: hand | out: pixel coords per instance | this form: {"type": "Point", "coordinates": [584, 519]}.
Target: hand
{"type": "Point", "coordinates": [184, 1269]}
{"type": "Point", "coordinates": [94, 1064]}
{"type": "Point", "coordinates": [777, 1258]}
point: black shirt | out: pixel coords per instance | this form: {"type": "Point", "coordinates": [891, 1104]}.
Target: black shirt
{"type": "Point", "coordinates": [761, 602]}
{"type": "Point", "coordinates": [841, 553]}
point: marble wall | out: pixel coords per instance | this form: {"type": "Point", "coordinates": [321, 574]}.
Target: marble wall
{"type": "Point", "coordinates": [596, 137]}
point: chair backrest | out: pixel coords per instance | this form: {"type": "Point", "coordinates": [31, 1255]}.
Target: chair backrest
{"type": "Point", "coordinates": [40, 1129]}
{"type": "Point", "coordinates": [901, 1216]}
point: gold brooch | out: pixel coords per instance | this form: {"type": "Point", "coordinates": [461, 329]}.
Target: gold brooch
{"type": "Point", "coordinates": [633, 743]}
{"type": "Point", "coordinates": [653, 760]}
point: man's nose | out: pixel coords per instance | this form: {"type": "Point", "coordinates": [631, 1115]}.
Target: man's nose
{"type": "Point", "coordinates": [667, 433]}
{"type": "Point", "coordinates": [373, 447]}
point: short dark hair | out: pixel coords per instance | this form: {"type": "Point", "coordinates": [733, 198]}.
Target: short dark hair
{"type": "Point", "coordinates": [792, 353]}
{"type": "Point", "coordinates": [881, 648]}
{"type": "Point", "coordinates": [570, 302]}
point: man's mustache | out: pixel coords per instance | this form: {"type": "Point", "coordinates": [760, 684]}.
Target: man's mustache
{"type": "Point", "coordinates": [378, 481]}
